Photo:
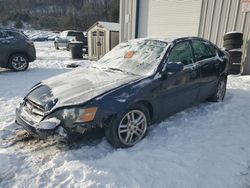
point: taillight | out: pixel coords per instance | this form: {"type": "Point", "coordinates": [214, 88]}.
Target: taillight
{"type": "Point", "coordinates": [30, 43]}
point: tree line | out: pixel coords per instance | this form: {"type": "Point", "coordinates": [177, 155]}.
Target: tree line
{"type": "Point", "coordinates": [57, 14]}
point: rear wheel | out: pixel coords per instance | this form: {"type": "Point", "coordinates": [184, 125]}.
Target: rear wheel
{"type": "Point", "coordinates": [220, 91]}
{"type": "Point", "coordinates": [18, 62]}
{"type": "Point", "coordinates": [130, 128]}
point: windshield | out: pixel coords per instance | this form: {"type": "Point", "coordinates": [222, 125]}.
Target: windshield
{"type": "Point", "coordinates": [140, 57]}
{"type": "Point", "coordinates": [77, 35]}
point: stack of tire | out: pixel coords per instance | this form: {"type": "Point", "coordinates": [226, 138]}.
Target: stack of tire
{"type": "Point", "coordinates": [233, 42]}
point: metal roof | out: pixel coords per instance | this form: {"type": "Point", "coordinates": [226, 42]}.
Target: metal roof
{"type": "Point", "coordinates": [111, 26]}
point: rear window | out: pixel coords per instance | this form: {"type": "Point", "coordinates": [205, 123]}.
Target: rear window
{"type": "Point", "coordinates": [17, 35]}
{"type": "Point", "coordinates": [74, 34]}
{"type": "Point", "coordinates": [77, 35]}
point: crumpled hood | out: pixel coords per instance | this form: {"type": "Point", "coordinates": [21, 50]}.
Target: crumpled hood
{"type": "Point", "coordinates": [79, 86]}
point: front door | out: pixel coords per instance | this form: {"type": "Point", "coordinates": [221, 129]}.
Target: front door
{"type": "Point", "coordinates": [179, 90]}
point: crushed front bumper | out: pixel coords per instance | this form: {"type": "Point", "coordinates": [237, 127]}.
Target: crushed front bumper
{"type": "Point", "coordinates": [42, 129]}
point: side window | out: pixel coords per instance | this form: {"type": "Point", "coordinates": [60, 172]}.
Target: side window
{"type": "Point", "coordinates": [201, 51]}
{"type": "Point", "coordinates": [212, 49]}
{"type": "Point", "coordinates": [16, 35]}
{"type": "Point", "coordinates": [181, 52]}
{"type": "Point", "coordinates": [216, 51]}
{"type": "Point", "coordinates": [71, 34]}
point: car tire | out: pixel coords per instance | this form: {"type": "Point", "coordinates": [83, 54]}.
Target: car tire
{"type": "Point", "coordinates": [234, 69]}
{"type": "Point", "coordinates": [220, 92]}
{"type": "Point", "coordinates": [122, 132]}
{"type": "Point", "coordinates": [235, 53]}
{"type": "Point", "coordinates": [235, 60]}
{"type": "Point", "coordinates": [18, 62]}
{"type": "Point", "coordinates": [56, 46]}
{"type": "Point", "coordinates": [233, 44]}
{"type": "Point", "coordinates": [230, 36]}
{"type": "Point", "coordinates": [232, 47]}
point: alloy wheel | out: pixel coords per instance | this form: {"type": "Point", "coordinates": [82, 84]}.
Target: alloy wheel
{"type": "Point", "coordinates": [19, 63]}
{"type": "Point", "coordinates": [132, 127]}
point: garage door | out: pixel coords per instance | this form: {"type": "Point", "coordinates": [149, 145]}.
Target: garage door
{"type": "Point", "coordinates": [168, 17]}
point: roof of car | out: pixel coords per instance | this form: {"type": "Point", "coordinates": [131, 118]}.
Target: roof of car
{"type": "Point", "coordinates": [9, 29]}
{"type": "Point", "coordinates": [170, 39]}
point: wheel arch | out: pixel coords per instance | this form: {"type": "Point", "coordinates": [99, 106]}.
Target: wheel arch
{"type": "Point", "coordinates": [18, 52]}
{"type": "Point", "coordinates": [23, 54]}
{"type": "Point", "coordinates": [148, 105]}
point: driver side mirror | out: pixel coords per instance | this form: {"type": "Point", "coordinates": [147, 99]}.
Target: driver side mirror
{"type": "Point", "coordinates": [173, 68]}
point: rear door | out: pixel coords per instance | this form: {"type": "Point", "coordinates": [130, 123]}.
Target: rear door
{"type": "Point", "coordinates": [5, 42]}
{"type": "Point", "coordinates": [209, 65]}
{"type": "Point", "coordinates": [179, 90]}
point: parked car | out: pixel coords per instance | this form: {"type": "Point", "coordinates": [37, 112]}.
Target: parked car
{"type": "Point", "coordinates": [16, 50]}
{"type": "Point", "coordinates": [137, 84]}
{"type": "Point", "coordinates": [65, 37]}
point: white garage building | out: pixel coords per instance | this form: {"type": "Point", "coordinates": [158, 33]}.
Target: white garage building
{"type": "Point", "coordinates": [210, 19]}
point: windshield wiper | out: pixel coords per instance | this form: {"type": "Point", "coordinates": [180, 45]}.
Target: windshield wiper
{"type": "Point", "coordinates": [120, 70]}
{"type": "Point", "coordinates": [116, 69]}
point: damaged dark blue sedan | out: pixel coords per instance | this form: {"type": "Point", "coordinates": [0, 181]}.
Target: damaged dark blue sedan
{"type": "Point", "coordinates": [136, 84]}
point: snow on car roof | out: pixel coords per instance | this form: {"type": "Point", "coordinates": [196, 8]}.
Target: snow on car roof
{"type": "Point", "coordinates": [166, 39]}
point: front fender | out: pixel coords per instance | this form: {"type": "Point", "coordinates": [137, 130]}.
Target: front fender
{"type": "Point", "coordinates": [119, 101]}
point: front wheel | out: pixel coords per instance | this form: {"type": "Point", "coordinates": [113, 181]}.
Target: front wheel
{"type": "Point", "coordinates": [220, 90]}
{"type": "Point", "coordinates": [130, 128]}
{"type": "Point", "coordinates": [18, 62]}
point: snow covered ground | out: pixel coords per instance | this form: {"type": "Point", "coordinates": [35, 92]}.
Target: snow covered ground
{"type": "Point", "coordinates": [204, 146]}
